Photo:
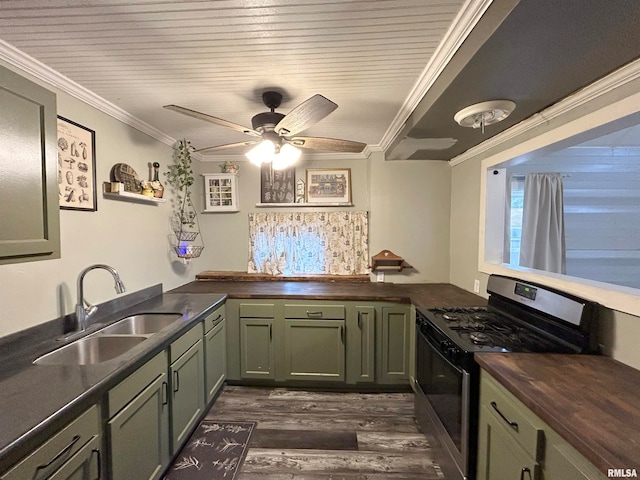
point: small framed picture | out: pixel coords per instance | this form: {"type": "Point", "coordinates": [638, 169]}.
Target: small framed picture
{"type": "Point", "coordinates": [76, 166]}
{"type": "Point", "coordinates": [330, 185]}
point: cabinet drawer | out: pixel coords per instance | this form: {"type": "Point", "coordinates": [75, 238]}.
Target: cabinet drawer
{"type": "Point", "coordinates": [122, 393]}
{"type": "Point", "coordinates": [185, 342]}
{"type": "Point", "coordinates": [315, 311]}
{"type": "Point", "coordinates": [56, 451]}
{"type": "Point", "coordinates": [513, 414]}
{"type": "Point", "coordinates": [257, 310]}
{"type": "Point", "coordinates": [211, 320]}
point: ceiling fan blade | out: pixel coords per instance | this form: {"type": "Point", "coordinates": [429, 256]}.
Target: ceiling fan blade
{"type": "Point", "coordinates": [226, 146]}
{"type": "Point", "coordinates": [308, 113]}
{"type": "Point", "coordinates": [212, 119]}
{"type": "Point", "coordinates": [329, 144]}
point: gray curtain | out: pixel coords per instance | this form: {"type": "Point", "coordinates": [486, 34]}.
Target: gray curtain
{"type": "Point", "coordinates": [543, 244]}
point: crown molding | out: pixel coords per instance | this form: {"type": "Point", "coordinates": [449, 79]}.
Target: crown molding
{"type": "Point", "coordinates": [470, 14]}
{"type": "Point", "coordinates": [39, 70]}
{"type": "Point", "coordinates": [619, 78]}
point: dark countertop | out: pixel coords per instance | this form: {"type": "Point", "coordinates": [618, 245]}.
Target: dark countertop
{"type": "Point", "coordinates": [39, 399]}
{"type": "Point", "coordinates": [426, 295]}
{"type": "Point", "coordinates": [592, 401]}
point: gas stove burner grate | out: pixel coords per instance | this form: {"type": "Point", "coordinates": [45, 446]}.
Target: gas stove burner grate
{"type": "Point", "coordinates": [480, 338]}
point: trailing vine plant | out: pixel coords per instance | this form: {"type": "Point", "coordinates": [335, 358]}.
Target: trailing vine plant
{"type": "Point", "coordinates": [180, 177]}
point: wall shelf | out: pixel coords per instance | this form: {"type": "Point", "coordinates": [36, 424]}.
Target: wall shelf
{"type": "Point", "coordinates": [128, 196]}
{"type": "Point", "coordinates": [386, 260]}
{"type": "Point", "coordinates": [302, 204]}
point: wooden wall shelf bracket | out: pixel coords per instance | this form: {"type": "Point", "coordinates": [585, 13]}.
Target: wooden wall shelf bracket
{"type": "Point", "coordinates": [386, 260]}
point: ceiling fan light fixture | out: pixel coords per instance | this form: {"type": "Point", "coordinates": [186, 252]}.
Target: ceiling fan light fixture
{"type": "Point", "coordinates": [482, 114]}
{"type": "Point", "coordinates": [262, 153]}
{"type": "Point", "coordinates": [288, 156]}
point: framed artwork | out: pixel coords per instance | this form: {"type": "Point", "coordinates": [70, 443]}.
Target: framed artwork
{"type": "Point", "coordinates": [277, 186]}
{"type": "Point", "coordinates": [76, 166]}
{"type": "Point", "coordinates": [330, 185]}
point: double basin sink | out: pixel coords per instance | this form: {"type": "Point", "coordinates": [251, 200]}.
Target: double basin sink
{"type": "Point", "coordinates": [111, 341]}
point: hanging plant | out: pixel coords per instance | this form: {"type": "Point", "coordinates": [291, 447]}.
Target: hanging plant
{"type": "Point", "coordinates": [180, 177]}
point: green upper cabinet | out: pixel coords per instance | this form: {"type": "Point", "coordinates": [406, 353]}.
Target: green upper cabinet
{"type": "Point", "coordinates": [30, 222]}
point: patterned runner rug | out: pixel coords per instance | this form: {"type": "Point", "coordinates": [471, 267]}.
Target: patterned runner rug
{"type": "Point", "coordinates": [215, 451]}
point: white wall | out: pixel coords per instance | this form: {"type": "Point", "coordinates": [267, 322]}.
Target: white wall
{"type": "Point", "coordinates": [131, 237]}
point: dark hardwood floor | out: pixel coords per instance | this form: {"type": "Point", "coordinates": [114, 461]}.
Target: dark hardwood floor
{"type": "Point", "coordinates": [306, 435]}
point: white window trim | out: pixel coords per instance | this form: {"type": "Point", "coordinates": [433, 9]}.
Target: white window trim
{"type": "Point", "coordinates": [608, 100]}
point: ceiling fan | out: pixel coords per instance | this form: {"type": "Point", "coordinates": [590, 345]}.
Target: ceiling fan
{"type": "Point", "coordinates": [281, 129]}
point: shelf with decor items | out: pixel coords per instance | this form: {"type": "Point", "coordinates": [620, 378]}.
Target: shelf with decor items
{"type": "Point", "coordinates": [220, 192]}
{"type": "Point", "coordinates": [302, 204]}
{"type": "Point", "coordinates": [115, 190]}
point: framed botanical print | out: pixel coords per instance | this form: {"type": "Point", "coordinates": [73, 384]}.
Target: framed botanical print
{"type": "Point", "coordinates": [76, 166]}
{"type": "Point", "coordinates": [329, 185]}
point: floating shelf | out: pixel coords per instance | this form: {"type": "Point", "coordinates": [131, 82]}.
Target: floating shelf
{"type": "Point", "coordinates": [128, 196]}
{"type": "Point", "coordinates": [302, 204]}
{"type": "Point", "coordinates": [386, 260]}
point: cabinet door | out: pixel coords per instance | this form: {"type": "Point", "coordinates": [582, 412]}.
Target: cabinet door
{"type": "Point", "coordinates": [30, 220]}
{"type": "Point", "coordinates": [257, 355]}
{"type": "Point", "coordinates": [361, 346]}
{"type": "Point", "coordinates": [315, 350]}
{"type": "Point", "coordinates": [499, 456]}
{"type": "Point", "coordinates": [138, 436]}
{"type": "Point", "coordinates": [187, 393]}
{"type": "Point", "coordinates": [84, 465]}
{"type": "Point", "coordinates": [215, 359]}
{"type": "Point", "coordinates": [394, 344]}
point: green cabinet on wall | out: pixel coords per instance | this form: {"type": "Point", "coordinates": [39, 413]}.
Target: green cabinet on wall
{"type": "Point", "coordinates": [138, 429]}
{"type": "Point", "coordinates": [187, 384]}
{"type": "Point", "coordinates": [30, 223]}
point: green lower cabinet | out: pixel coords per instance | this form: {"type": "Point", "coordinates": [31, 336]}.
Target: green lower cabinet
{"type": "Point", "coordinates": [138, 435]}
{"type": "Point", "coordinates": [394, 341]}
{"type": "Point", "coordinates": [314, 350]}
{"type": "Point", "coordinates": [84, 465]}
{"type": "Point", "coordinates": [187, 393]}
{"type": "Point", "coordinates": [257, 353]}
{"type": "Point", "coordinates": [500, 457]}
{"type": "Point", "coordinates": [361, 347]}
{"type": "Point", "coordinates": [215, 359]}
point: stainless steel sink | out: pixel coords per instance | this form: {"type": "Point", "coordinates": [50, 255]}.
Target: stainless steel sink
{"type": "Point", "coordinates": [141, 324]}
{"type": "Point", "coordinates": [91, 350]}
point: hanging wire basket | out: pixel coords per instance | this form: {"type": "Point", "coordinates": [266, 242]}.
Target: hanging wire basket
{"type": "Point", "coordinates": [184, 236]}
{"type": "Point", "coordinates": [188, 251]}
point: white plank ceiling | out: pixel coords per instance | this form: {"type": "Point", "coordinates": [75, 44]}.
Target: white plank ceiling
{"type": "Point", "coordinates": [219, 56]}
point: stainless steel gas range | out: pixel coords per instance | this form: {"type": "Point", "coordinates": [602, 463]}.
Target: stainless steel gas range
{"type": "Point", "coordinates": [520, 317]}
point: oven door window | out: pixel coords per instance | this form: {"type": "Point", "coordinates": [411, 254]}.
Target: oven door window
{"type": "Point", "coordinates": [442, 383]}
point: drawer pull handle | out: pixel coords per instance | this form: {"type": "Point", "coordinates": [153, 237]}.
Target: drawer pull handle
{"type": "Point", "coordinates": [99, 458]}
{"type": "Point", "coordinates": [217, 318]}
{"type": "Point", "coordinates": [513, 425]}
{"type": "Point", "coordinates": [314, 314]}
{"type": "Point", "coordinates": [523, 471]}
{"type": "Point", "coordinates": [176, 381]}
{"type": "Point", "coordinates": [60, 454]}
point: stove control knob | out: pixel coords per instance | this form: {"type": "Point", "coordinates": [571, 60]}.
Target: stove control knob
{"type": "Point", "coordinates": [453, 353]}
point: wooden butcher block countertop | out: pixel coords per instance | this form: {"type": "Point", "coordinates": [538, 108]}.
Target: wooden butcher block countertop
{"type": "Point", "coordinates": [238, 285]}
{"type": "Point", "coordinates": [592, 401]}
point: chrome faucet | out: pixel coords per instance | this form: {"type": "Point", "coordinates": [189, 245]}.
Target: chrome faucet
{"type": "Point", "coordinates": [83, 309]}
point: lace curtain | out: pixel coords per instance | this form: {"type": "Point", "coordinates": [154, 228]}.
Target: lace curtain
{"type": "Point", "coordinates": [296, 243]}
